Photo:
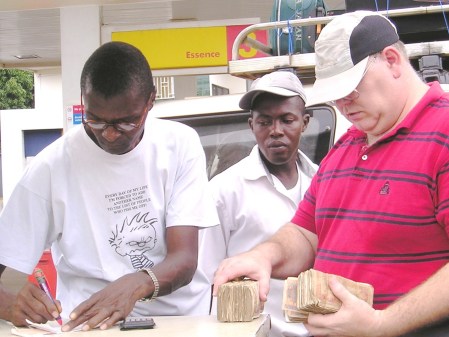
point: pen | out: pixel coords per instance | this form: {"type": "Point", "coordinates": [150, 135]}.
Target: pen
{"type": "Point", "coordinates": [42, 281]}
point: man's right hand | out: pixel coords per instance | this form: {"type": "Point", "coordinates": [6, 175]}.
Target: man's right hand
{"type": "Point", "coordinates": [251, 264]}
{"type": "Point", "coordinates": [33, 304]}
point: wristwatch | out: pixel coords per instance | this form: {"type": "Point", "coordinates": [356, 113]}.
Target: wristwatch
{"type": "Point", "coordinates": [156, 285]}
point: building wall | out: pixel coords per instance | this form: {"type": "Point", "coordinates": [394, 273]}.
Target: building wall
{"type": "Point", "coordinates": [47, 114]}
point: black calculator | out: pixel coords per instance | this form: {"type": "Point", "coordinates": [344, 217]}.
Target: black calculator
{"type": "Point", "coordinates": [131, 323]}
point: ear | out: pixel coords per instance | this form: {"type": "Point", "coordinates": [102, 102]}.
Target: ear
{"type": "Point", "coordinates": [153, 95]}
{"type": "Point", "coordinates": [305, 120]}
{"type": "Point", "coordinates": [250, 123]}
{"type": "Point", "coordinates": [394, 60]}
{"type": "Point", "coordinates": [151, 100]}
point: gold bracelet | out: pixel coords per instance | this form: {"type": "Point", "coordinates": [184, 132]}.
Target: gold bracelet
{"type": "Point", "coordinates": [156, 285]}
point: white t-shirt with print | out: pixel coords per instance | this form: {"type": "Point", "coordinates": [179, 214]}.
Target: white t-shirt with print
{"type": "Point", "coordinates": [105, 215]}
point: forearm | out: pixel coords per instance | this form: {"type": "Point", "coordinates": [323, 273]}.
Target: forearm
{"type": "Point", "coordinates": [289, 251]}
{"type": "Point", "coordinates": [174, 272]}
{"type": "Point", "coordinates": [424, 305]}
{"type": "Point", "coordinates": [6, 299]}
{"type": "Point", "coordinates": [178, 267]}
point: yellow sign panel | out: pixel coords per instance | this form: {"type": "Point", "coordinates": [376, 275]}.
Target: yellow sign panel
{"type": "Point", "coordinates": [179, 47]}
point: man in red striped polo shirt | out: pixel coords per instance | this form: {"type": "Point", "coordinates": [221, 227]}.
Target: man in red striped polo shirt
{"type": "Point", "coordinates": [377, 210]}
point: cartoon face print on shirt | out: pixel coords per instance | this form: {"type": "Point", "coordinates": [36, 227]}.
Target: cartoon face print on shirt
{"type": "Point", "coordinates": [135, 238]}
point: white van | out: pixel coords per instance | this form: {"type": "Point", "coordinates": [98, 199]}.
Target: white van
{"type": "Point", "coordinates": [225, 133]}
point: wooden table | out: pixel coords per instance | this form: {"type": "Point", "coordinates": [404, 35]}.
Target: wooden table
{"type": "Point", "coordinates": [177, 326]}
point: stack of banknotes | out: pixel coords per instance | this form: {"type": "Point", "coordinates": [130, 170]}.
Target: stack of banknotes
{"type": "Point", "coordinates": [238, 301]}
{"type": "Point", "coordinates": [310, 293]}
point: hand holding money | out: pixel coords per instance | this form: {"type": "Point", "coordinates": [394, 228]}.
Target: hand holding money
{"type": "Point", "coordinates": [310, 293]}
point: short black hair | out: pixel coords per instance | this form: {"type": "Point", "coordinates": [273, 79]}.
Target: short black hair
{"type": "Point", "coordinates": [116, 67]}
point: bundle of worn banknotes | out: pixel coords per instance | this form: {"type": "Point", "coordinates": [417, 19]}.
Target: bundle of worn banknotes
{"type": "Point", "coordinates": [238, 301]}
{"type": "Point", "coordinates": [310, 293]}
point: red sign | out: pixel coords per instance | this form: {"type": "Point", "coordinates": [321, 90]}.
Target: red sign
{"type": "Point", "coordinates": [76, 110]}
{"type": "Point", "coordinates": [244, 50]}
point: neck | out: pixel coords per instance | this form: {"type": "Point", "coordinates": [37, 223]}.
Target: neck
{"type": "Point", "coordinates": [286, 173]}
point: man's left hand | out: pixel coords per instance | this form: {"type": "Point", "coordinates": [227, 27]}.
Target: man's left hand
{"type": "Point", "coordinates": [355, 318]}
{"type": "Point", "coordinates": [106, 307]}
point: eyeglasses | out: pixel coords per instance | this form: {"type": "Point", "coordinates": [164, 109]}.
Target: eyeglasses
{"type": "Point", "coordinates": [355, 93]}
{"type": "Point", "coordinates": [101, 126]}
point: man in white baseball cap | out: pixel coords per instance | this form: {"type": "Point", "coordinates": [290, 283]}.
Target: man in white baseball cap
{"type": "Point", "coordinates": [377, 211]}
{"type": "Point", "coordinates": [260, 193]}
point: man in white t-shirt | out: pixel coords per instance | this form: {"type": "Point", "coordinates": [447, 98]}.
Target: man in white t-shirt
{"type": "Point", "coordinates": [119, 200]}
{"type": "Point", "coordinates": [256, 196]}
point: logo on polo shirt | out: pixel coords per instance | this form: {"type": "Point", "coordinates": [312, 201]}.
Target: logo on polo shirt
{"type": "Point", "coordinates": [385, 189]}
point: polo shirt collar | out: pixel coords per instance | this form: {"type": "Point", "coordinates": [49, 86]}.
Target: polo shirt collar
{"type": "Point", "coordinates": [255, 168]}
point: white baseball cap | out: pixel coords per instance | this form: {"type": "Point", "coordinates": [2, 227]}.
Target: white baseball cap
{"type": "Point", "coordinates": [342, 51]}
{"type": "Point", "coordinates": [281, 83]}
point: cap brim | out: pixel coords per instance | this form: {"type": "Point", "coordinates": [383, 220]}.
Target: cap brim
{"type": "Point", "coordinates": [337, 86]}
{"type": "Point", "coordinates": [248, 98]}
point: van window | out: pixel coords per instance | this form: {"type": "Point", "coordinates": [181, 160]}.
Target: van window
{"type": "Point", "coordinates": [227, 138]}
{"type": "Point", "coordinates": [319, 136]}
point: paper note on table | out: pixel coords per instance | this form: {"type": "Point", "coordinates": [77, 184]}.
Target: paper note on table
{"type": "Point", "coordinates": [32, 332]}
{"type": "Point", "coordinates": [50, 326]}
{"type": "Point", "coordinates": [37, 329]}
